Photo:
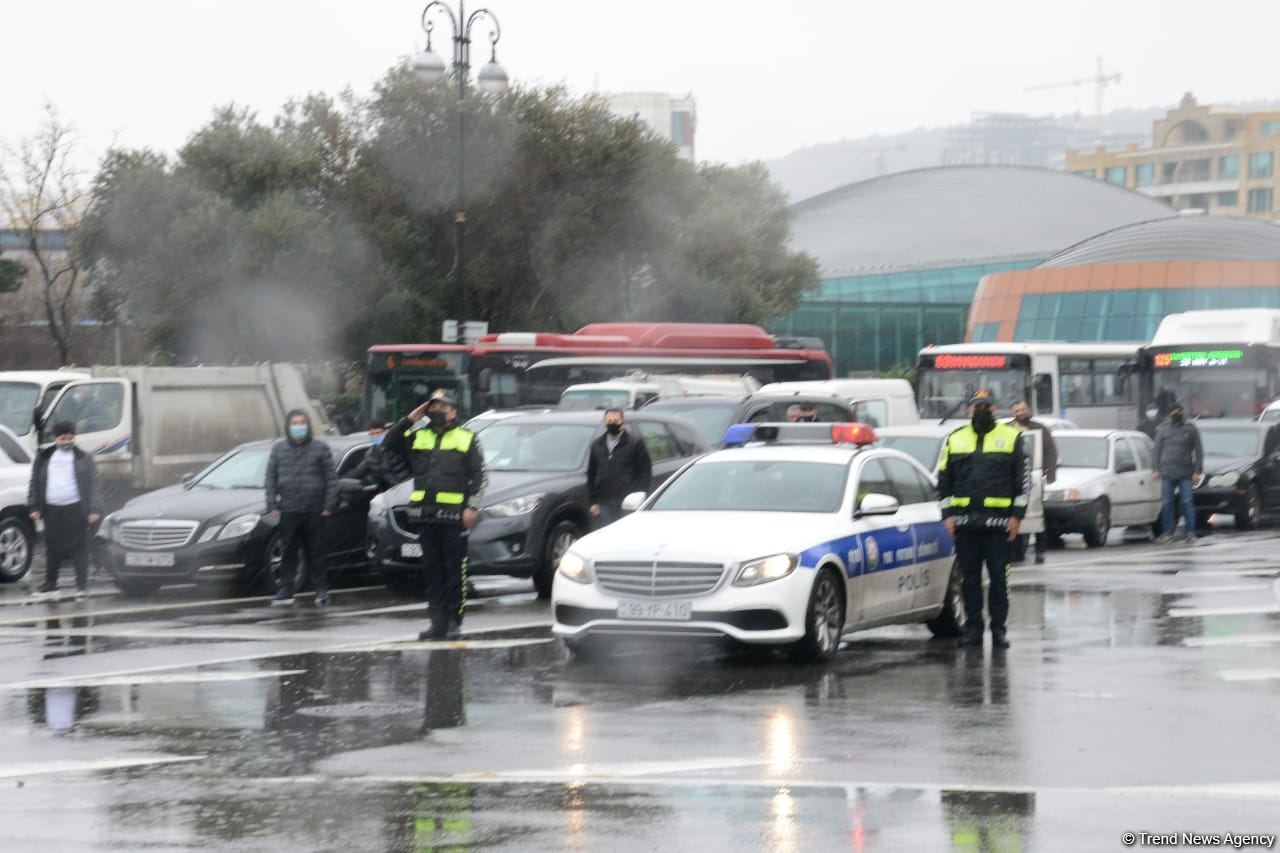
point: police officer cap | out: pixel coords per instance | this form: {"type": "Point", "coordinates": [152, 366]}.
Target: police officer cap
{"type": "Point", "coordinates": [443, 395]}
{"type": "Point", "coordinates": [983, 395]}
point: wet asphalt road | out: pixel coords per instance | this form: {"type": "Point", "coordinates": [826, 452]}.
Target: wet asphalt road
{"type": "Point", "coordinates": [1140, 695]}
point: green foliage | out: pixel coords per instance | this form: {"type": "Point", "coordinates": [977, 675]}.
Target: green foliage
{"type": "Point", "coordinates": [11, 274]}
{"type": "Point", "coordinates": [333, 227]}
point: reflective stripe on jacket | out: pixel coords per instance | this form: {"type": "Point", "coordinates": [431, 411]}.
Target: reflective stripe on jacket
{"type": "Point", "coordinates": [984, 476]}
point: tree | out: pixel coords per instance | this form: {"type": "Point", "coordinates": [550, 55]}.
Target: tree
{"type": "Point", "coordinates": [333, 227]}
{"type": "Point", "coordinates": [11, 275]}
{"type": "Point", "coordinates": [42, 197]}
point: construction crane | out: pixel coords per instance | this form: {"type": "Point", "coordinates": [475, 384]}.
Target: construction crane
{"type": "Point", "coordinates": [1100, 82]}
{"type": "Point", "coordinates": [880, 151]}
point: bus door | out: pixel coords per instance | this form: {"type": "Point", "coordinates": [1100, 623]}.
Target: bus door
{"type": "Point", "coordinates": [1044, 386]}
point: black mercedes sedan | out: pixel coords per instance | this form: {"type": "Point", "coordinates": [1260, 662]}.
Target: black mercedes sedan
{"type": "Point", "coordinates": [1241, 470]}
{"type": "Point", "coordinates": [211, 529]}
{"type": "Point", "coordinates": [536, 503]}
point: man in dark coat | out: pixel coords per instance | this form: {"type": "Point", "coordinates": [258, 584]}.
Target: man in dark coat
{"type": "Point", "coordinates": [64, 493]}
{"type": "Point", "coordinates": [302, 488]}
{"type": "Point", "coordinates": [619, 465]}
{"type": "Point", "coordinates": [1179, 459]}
{"type": "Point", "coordinates": [381, 467]}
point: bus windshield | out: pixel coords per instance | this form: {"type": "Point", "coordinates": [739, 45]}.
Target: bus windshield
{"type": "Point", "coordinates": [1212, 392]}
{"type": "Point", "coordinates": [943, 393]}
{"type": "Point", "coordinates": [18, 402]}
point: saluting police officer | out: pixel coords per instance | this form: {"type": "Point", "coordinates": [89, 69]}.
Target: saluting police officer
{"type": "Point", "coordinates": [448, 484]}
{"type": "Point", "coordinates": [984, 481]}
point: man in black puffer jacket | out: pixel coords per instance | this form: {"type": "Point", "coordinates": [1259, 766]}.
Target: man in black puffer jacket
{"type": "Point", "coordinates": [302, 487]}
{"type": "Point", "coordinates": [619, 465]}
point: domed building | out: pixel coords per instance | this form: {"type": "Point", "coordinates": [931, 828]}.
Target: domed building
{"type": "Point", "coordinates": [1119, 284]}
{"type": "Point", "coordinates": [902, 255]}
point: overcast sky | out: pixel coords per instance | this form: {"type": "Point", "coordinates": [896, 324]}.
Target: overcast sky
{"type": "Point", "coordinates": [769, 77]}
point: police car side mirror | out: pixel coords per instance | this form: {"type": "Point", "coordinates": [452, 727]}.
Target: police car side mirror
{"type": "Point", "coordinates": [632, 502]}
{"type": "Point", "coordinates": [876, 504]}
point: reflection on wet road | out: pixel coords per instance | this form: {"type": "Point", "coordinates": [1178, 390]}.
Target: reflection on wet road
{"type": "Point", "coordinates": [1139, 695]}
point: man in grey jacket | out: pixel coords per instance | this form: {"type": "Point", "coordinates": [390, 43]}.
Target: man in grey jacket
{"type": "Point", "coordinates": [1179, 460]}
{"type": "Point", "coordinates": [302, 488]}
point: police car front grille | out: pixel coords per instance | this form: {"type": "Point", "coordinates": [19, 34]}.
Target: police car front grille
{"type": "Point", "coordinates": [658, 580]}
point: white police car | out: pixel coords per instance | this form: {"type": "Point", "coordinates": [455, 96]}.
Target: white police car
{"type": "Point", "coordinates": [800, 534]}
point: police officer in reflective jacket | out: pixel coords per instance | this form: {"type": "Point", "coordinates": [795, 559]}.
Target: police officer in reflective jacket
{"type": "Point", "coordinates": [448, 485]}
{"type": "Point", "coordinates": [984, 480]}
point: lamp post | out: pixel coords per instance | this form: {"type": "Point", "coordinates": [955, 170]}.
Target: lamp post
{"type": "Point", "coordinates": [430, 68]}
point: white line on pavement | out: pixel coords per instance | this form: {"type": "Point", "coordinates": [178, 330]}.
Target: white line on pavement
{"type": "Point", "coordinates": [1189, 612]}
{"type": "Point", "coordinates": [1239, 587]}
{"type": "Point", "coordinates": [1249, 674]}
{"type": "Point", "coordinates": [1236, 640]}
{"type": "Point", "coordinates": [38, 768]}
{"type": "Point", "coordinates": [176, 678]}
{"type": "Point", "coordinates": [1233, 573]}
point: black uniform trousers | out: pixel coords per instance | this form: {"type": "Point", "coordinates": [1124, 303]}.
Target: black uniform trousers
{"type": "Point", "coordinates": [305, 530]}
{"type": "Point", "coordinates": [975, 546]}
{"type": "Point", "coordinates": [444, 566]}
{"type": "Point", "coordinates": [66, 536]}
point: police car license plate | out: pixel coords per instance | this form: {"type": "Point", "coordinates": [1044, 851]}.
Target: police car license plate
{"type": "Point", "coordinates": [411, 549]}
{"type": "Point", "coordinates": [138, 558]}
{"type": "Point", "coordinates": [664, 610]}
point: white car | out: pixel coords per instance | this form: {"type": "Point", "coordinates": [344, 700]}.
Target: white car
{"type": "Point", "coordinates": [1105, 479]}
{"type": "Point", "coordinates": [17, 536]}
{"type": "Point", "coordinates": [805, 534]}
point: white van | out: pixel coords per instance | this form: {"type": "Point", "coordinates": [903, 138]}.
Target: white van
{"type": "Point", "coordinates": [24, 394]}
{"type": "Point", "coordinates": [636, 389]}
{"type": "Point", "coordinates": [878, 402]}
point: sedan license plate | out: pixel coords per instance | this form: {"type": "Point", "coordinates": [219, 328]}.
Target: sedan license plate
{"type": "Point", "coordinates": [138, 558]}
{"type": "Point", "coordinates": [410, 549]}
{"type": "Point", "coordinates": [663, 610]}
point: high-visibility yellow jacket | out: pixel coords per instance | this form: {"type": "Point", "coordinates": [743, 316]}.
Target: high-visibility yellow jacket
{"type": "Point", "coordinates": [984, 477]}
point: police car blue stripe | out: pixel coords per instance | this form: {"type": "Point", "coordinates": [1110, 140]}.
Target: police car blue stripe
{"type": "Point", "coordinates": [883, 550]}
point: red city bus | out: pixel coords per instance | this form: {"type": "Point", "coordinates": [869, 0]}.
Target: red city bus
{"type": "Point", "coordinates": [533, 368]}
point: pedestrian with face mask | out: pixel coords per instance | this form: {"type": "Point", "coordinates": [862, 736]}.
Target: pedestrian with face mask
{"type": "Point", "coordinates": [984, 482]}
{"type": "Point", "coordinates": [1022, 420]}
{"type": "Point", "coordinates": [64, 494]}
{"type": "Point", "coordinates": [618, 465]}
{"type": "Point", "coordinates": [802, 413]}
{"type": "Point", "coordinates": [302, 491]}
{"type": "Point", "coordinates": [1179, 463]}
{"type": "Point", "coordinates": [448, 487]}
{"type": "Point", "coordinates": [381, 468]}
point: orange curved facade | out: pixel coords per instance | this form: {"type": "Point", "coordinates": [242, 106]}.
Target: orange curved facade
{"type": "Point", "coordinates": [1003, 311]}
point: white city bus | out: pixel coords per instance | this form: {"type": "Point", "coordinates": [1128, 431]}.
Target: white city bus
{"type": "Point", "coordinates": [1088, 384]}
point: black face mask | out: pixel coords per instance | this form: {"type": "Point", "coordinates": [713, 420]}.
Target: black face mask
{"type": "Point", "coordinates": [1176, 417]}
{"type": "Point", "coordinates": [984, 420]}
{"type": "Point", "coordinates": [1023, 419]}
{"type": "Point", "coordinates": [613, 429]}
{"type": "Point", "coordinates": [437, 418]}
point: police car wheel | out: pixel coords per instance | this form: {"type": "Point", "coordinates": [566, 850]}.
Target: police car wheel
{"type": "Point", "coordinates": [1095, 535]}
{"type": "Point", "coordinates": [950, 620]}
{"type": "Point", "coordinates": [824, 620]}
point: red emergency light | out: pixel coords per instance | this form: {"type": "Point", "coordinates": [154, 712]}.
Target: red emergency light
{"type": "Point", "coordinates": [859, 434]}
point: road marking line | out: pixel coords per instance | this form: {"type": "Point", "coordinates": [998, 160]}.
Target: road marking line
{"type": "Point", "coordinates": [162, 608]}
{"type": "Point", "coordinates": [1189, 612]}
{"type": "Point", "coordinates": [464, 645]}
{"type": "Point", "coordinates": [1193, 590]}
{"type": "Point", "coordinates": [1249, 674]}
{"type": "Point", "coordinates": [39, 768]}
{"type": "Point", "coordinates": [1206, 573]}
{"type": "Point", "coordinates": [178, 678]}
{"type": "Point", "coordinates": [1236, 640]}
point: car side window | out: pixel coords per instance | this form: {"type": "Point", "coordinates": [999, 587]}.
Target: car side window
{"type": "Point", "coordinates": [351, 460]}
{"type": "Point", "coordinates": [874, 480]}
{"type": "Point", "coordinates": [687, 439]}
{"type": "Point", "coordinates": [658, 440]}
{"type": "Point", "coordinates": [1142, 450]}
{"type": "Point", "coordinates": [906, 483]}
{"type": "Point", "coordinates": [1124, 457]}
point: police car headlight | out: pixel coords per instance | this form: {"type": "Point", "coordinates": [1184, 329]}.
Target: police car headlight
{"type": "Point", "coordinates": [240, 526]}
{"type": "Point", "coordinates": [766, 569]}
{"type": "Point", "coordinates": [1224, 481]}
{"type": "Point", "coordinates": [575, 568]}
{"type": "Point", "coordinates": [516, 506]}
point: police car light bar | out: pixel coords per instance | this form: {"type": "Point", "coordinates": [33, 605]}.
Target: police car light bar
{"type": "Point", "coordinates": [806, 433]}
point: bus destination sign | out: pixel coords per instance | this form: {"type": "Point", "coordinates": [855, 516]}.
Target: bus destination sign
{"type": "Point", "coordinates": [1198, 358]}
{"type": "Point", "coordinates": [970, 362]}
